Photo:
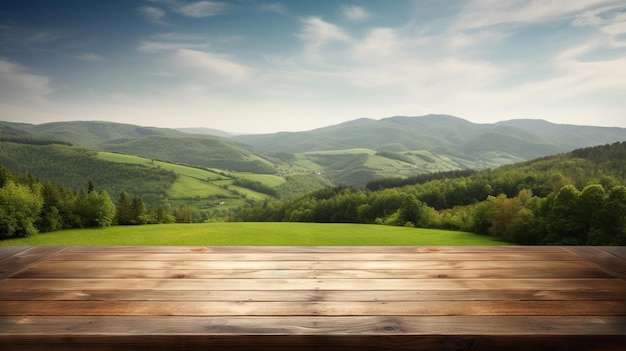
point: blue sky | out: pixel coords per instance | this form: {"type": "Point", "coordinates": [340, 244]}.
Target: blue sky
{"type": "Point", "coordinates": [258, 66]}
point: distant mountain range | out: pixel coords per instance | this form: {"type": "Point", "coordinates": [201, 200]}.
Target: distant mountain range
{"type": "Point", "coordinates": [443, 134]}
{"type": "Point", "coordinates": [352, 152]}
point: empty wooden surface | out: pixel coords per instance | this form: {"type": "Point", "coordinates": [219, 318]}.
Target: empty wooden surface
{"type": "Point", "coordinates": [347, 298]}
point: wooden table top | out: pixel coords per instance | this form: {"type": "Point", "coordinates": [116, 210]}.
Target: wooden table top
{"type": "Point", "coordinates": [344, 298]}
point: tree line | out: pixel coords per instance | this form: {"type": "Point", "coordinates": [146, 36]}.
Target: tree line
{"type": "Point", "coordinates": [577, 198]}
{"type": "Point", "coordinates": [29, 206]}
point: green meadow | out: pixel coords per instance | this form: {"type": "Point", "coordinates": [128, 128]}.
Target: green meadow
{"type": "Point", "coordinates": [254, 234]}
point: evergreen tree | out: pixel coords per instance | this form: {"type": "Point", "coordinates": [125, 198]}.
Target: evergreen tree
{"type": "Point", "coordinates": [139, 213]}
{"type": "Point", "coordinates": [124, 214]}
{"type": "Point", "coordinates": [90, 186]}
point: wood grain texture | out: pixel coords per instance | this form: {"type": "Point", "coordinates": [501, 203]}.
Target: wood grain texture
{"type": "Point", "coordinates": [14, 261]}
{"type": "Point", "coordinates": [305, 298]}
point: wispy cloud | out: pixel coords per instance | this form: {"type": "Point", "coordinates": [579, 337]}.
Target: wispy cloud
{"type": "Point", "coordinates": [482, 13]}
{"type": "Point", "coordinates": [355, 13]}
{"type": "Point", "coordinates": [274, 7]}
{"type": "Point", "coordinates": [154, 46]}
{"type": "Point", "coordinates": [12, 37]}
{"type": "Point", "coordinates": [316, 33]}
{"type": "Point", "coordinates": [195, 9]}
{"type": "Point", "coordinates": [89, 57]}
{"type": "Point", "coordinates": [611, 21]}
{"type": "Point", "coordinates": [201, 9]}
{"type": "Point", "coordinates": [18, 85]}
{"type": "Point", "coordinates": [153, 14]}
{"type": "Point", "coordinates": [210, 67]}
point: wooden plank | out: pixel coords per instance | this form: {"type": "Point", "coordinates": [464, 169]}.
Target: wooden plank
{"type": "Point", "coordinates": [79, 272]}
{"type": "Point", "coordinates": [313, 333]}
{"type": "Point", "coordinates": [314, 295]}
{"type": "Point", "coordinates": [23, 259]}
{"type": "Point", "coordinates": [314, 325]}
{"type": "Point", "coordinates": [619, 251]}
{"type": "Point", "coordinates": [310, 298]}
{"type": "Point", "coordinates": [6, 251]}
{"type": "Point", "coordinates": [319, 308]}
{"type": "Point", "coordinates": [317, 249]}
{"type": "Point", "coordinates": [183, 263]}
{"type": "Point", "coordinates": [374, 256]}
{"type": "Point", "coordinates": [606, 261]}
{"type": "Point", "coordinates": [313, 284]}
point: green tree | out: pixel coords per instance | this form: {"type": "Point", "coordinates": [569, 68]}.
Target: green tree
{"type": "Point", "coordinates": [95, 209]}
{"type": "Point", "coordinates": [90, 186]}
{"type": "Point", "coordinates": [590, 202]}
{"type": "Point", "coordinates": [139, 213]}
{"type": "Point", "coordinates": [414, 212]}
{"type": "Point", "coordinates": [609, 225]}
{"type": "Point", "coordinates": [502, 214]}
{"type": "Point", "coordinates": [162, 217]}
{"type": "Point", "coordinates": [564, 223]}
{"type": "Point", "coordinates": [524, 229]}
{"type": "Point", "coordinates": [409, 211]}
{"type": "Point", "coordinates": [51, 217]}
{"type": "Point", "coordinates": [5, 175]}
{"type": "Point", "coordinates": [19, 209]}
{"type": "Point", "coordinates": [183, 214]}
{"type": "Point", "coordinates": [124, 214]}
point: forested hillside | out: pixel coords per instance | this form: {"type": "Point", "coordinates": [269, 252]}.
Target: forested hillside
{"type": "Point", "coordinates": [449, 135]}
{"type": "Point", "coordinates": [157, 143]}
{"type": "Point", "coordinates": [578, 198]}
{"type": "Point", "coordinates": [205, 194]}
{"type": "Point", "coordinates": [351, 153]}
{"type": "Point", "coordinates": [72, 167]}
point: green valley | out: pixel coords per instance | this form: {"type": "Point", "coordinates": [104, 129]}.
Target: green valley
{"type": "Point", "coordinates": [513, 180]}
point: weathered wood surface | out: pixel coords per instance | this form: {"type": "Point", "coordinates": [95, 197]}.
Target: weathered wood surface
{"type": "Point", "coordinates": [344, 298]}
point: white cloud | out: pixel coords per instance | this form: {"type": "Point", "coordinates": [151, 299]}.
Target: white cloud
{"type": "Point", "coordinates": [379, 43]}
{"type": "Point", "coordinates": [154, 46]}
{"type": "Point", "coordinates": [153, 14]}
{"type": "Point", "coordinates": [199, 9]}
{"type": "Point", "coordinates": [17, 84]}
{"type": "Point", "coordinates": [611, 21]}
{"type": "Point", "coordinates": [210, 68]}
{"type": "Point", "coordinates": [89, 57]}
{"type": "Point", "coordinates": [355, 13]}
{"type": "Point", "coordinates": [316, 33]}
{"type": "Point", "coordinates": [195, 9]}
{"type": "Point", "coordinates": [274, 7]}
{"type": "Point", "coordinates": [482, 13]}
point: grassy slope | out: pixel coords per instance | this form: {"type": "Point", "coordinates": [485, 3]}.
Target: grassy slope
{"type": "Point", "coordinates": [255, 234]}
{"type": "Point", "coordinates": [196, 183]}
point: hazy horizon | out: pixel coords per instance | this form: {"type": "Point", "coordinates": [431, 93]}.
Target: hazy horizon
{"type": "Point", "coordinates": [255, 66]}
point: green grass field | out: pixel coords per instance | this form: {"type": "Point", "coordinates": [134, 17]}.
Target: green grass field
{"type": "Point", "coordinates": [255, 234]}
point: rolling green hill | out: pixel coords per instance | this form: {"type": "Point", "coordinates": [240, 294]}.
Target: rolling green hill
{"type": "Point", "coordinates": [575, 198]}
{"type": "Point", "coordinates": [157, 143]}
{"type": "Point", "coordinates": [193, 151]}
{"type": "Point", "coordinates": [446, 135]}
{"type": "Point", "coordinates": [568, 136]}
{"type": "Point", "coordinates": [91, 134]}
{"type": "Point", "coordinates": [208, 192]}
{"type": "Point", "coordinates": [352, 153]}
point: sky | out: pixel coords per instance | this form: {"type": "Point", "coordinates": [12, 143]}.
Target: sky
{"type": "Point", "coordinates": [255, 66]}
